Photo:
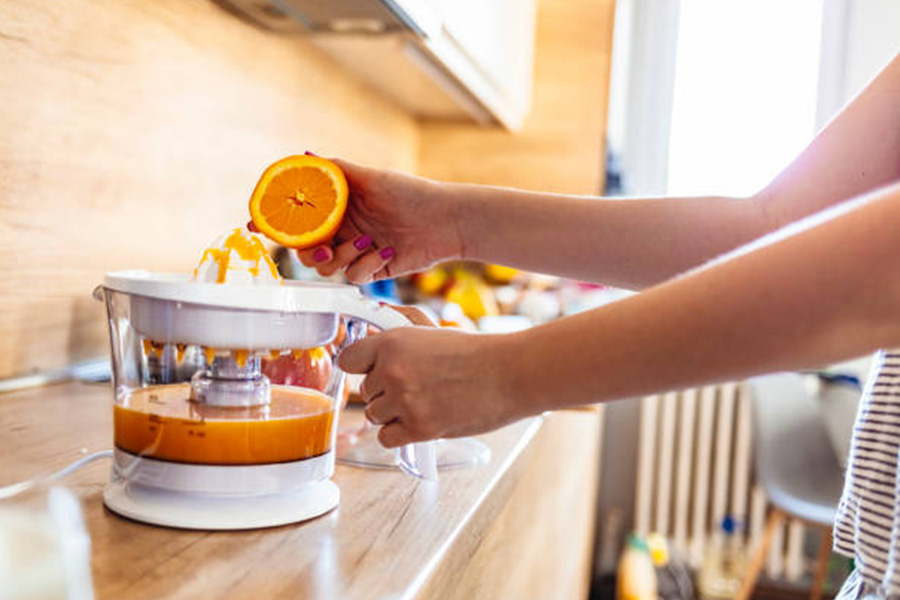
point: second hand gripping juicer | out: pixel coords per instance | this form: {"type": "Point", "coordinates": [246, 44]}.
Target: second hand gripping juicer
{"type": "Point", "coordinates": [203, 439]}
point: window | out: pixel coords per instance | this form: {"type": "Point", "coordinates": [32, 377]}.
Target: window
{"type": "Point", "coordinates": [745, 92]}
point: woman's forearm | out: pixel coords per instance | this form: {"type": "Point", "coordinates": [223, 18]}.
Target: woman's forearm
{"type": "Point", "coordinates": [629, 243]}
{"type": "Point", "coordinates": [637, 243]}
{"type": "Point", "coordinates": [823, 290]}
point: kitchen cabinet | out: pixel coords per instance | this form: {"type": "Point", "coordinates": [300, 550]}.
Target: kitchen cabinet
{"type": "Point", "coordinates": [560, 145]}
{"type": "Point", "coordinates": [439, 59]}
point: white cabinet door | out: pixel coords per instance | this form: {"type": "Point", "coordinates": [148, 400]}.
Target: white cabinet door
{"type": "Point", "coordinates": [498, 36]}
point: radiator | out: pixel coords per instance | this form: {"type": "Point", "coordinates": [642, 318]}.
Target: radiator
{"type": "Point", "coordinates": [694, 467]}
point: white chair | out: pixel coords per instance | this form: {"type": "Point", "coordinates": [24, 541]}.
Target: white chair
{"type": "Point", "coordinates": [797, 466]}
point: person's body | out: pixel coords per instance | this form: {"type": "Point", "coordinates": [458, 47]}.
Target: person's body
{"type": "Point", "coordinates": [804, 273]}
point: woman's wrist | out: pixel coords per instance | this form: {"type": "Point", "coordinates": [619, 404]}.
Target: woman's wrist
{"type": "Point", "coordinates": [461, 210]}
{"type": "Point", "coordinates": [484, 216]}
{"type": "Point", "coordinates": [507, 377]}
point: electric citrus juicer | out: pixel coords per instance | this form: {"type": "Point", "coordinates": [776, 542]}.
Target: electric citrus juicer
{"type": "Point", "coordinates": [203, 439]}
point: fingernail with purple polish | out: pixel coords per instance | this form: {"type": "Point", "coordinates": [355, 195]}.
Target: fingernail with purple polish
{"type": "Point", "coordinates": [362, 242]}
{"type": "Point", "coordinates": [308, 153]}
{"type": "Point", "coordinates": [320, 255]}
{"type": "Point", "coordinates": [387, 253]}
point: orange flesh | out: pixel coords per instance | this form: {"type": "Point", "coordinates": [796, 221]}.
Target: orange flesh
{"type": "Point", "coordinates": [299, 201]}
{"type": "Point", "coordinates": [162, 422]}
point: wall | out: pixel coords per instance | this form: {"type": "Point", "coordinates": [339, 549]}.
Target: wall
{"type": "Point", "coordinates": [133, 133]}
{"type": "Point", "coordinates": [858, 40]}
{"type": "Point", "coordinates": [642, 80]}
{"type": "Point", "coordinates": [873, 39]}
{"type": "Point", "coordinates": [561, 145]}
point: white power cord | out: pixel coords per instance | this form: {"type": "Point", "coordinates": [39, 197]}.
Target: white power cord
{"type": "Point", "coordinates": [14, 489]}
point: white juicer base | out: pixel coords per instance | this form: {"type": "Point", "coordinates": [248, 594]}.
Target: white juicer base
{"type": "Point", "coordinates": [218, 512]}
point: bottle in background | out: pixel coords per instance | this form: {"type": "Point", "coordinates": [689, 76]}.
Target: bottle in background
{"type": "Point", "coordinates": [636, 576]}
{"type": "Point", "coordinates": [724, 564]}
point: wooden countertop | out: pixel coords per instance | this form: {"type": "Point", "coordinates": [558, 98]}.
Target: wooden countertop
{"type": "Point", "coordinates": [386, 539]}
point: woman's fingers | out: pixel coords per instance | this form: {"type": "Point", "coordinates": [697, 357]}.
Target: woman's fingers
{"type": "Point", "coordinates": [359, 357]}
{"type": "Point", "coordinates": [356, 174]}
{"type": "Point", "coordinates": [318, 255]}
{"type": "Point", "coordinates": [345, 254]}
{"type": "Point", "coordinates": [366, 267]}
{"type": "Point", "coordinates": [393, 435]}
{"type": "Point", "coordinates": [350, 249]}
{"type": "Point", "coordinates": [371, 387]}
{"type": "Point", "coordinates": [380, 411]}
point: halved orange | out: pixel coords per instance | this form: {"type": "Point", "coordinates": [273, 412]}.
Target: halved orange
{"type": "Point", "coordinates": [299, 201]}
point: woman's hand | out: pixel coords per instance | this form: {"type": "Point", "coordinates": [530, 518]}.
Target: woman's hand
{"type": "Point", "coordinates": [395, 224]}
{"type": "Point", "coordinates": [426, 383]}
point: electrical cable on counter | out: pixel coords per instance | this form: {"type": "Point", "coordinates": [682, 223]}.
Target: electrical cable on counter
{"type": "Point", "coordinates": [14, 489]}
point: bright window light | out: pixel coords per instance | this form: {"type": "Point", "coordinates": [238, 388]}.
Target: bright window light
{"type": "Point", "coordinates": [745, 92]}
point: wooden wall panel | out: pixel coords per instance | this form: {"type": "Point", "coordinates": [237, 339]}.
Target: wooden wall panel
{"type": "Point", "coordinates": [131, 134]}
{"type": "Point", "coordinates": [561, 145]}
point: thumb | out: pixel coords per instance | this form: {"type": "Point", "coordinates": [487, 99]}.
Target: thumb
{"type": "Point", "coordinates": [416, 315]}
{"type": "Point", "coordinates": [360, 356]}
{"type": "Point", "coordinates": [356, 174]}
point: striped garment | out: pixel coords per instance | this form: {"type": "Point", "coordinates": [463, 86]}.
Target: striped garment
{"type": "Point", "coordinates": [867, 526]}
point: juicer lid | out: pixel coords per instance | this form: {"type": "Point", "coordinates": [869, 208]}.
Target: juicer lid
{"type": "Point", "coordinates": [289, 297]}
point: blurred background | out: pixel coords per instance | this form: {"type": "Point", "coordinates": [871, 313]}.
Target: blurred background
{"type": "Point", "coordinates": [133, 133]}
{"type": "Point", "coordinates": [714, 97]}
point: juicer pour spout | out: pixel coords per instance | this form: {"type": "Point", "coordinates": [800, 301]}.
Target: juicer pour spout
{"type": "Point", "coordinates": [416, 459]}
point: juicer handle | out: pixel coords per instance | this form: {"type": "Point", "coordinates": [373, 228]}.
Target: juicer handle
{"type": "Point", "coordinates": [379, 315]}
{"type": "Point", "coordinates": [417, 459]}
